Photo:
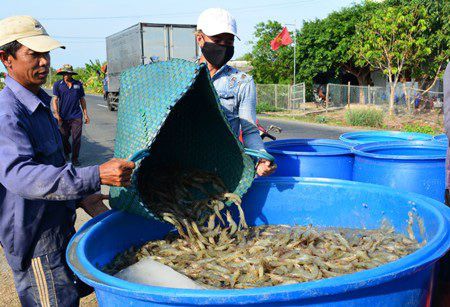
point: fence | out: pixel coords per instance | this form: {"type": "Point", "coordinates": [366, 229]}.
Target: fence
{"type": "Point", "coordinates": [281, 96]}
{"type": "Point", "coordinates": [298, 94]}
{"type": "Point", "coordinates": [340, 95]}
{"type": "Point", "coordinates": [406, 99]}
{"type": "Point", "coordinates": [415, 99]}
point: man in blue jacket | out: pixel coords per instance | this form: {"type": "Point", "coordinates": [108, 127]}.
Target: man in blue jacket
{"type": "Point", "coordinates": [39, 192]}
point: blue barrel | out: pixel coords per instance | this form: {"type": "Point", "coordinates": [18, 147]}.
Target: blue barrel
{"type": "Point", "coordinates": [312, 158]}
{"type": "Point", "coordinates": [407, 166]}
{"type": "Point", "coordinates": [441, 138]}
{"type": "Point", "coordinates": [282, 200]}
{"type": "Point", "coordinates": [365, 137]}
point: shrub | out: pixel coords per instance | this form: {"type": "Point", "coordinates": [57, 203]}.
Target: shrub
{"type": "Point", "coordinates": [2, 78]}
{"type": "Point", "coordinates": [365, 116]}
{"type": "Point", "coordinates": [419, 128]}
{"type": "Point", "coordinates": [322, 119]}
{"type": "Point", "coordinates": [262, 107]}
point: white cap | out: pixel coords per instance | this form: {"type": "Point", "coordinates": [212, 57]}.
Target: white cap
{"type": "Point", "coordinates": [215, 21]}
{"type": "Point", "coordinates": [27, 31]}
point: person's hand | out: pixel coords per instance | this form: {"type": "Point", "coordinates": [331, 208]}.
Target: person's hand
{"type": "Point", "coordinates": [265, 167]}
{"type": "Point", "coordinates": [93, 204]}
{"type": "Point", "coordinates": [87, 120]}
{"type": "Point", "coordinates": [116, 172]}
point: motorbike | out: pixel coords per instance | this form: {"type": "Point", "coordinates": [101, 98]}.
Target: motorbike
{"type": "Point", "coordinates": [264, 132]}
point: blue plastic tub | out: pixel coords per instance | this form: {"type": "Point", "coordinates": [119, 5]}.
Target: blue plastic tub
{"type": "Point", "coordinates": [365, 137]}
{"type": "Point", "coordinates": [442, 138]}
{"type": "Point", "coordinates": [312, 158]}
{"type": "Point", "coordinates": [406, 166]}
{"type": "Point", "coordinates": [282, 200]}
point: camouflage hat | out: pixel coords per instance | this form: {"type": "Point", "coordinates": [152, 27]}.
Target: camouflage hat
{"type": "Point", "coordinates": [66, 69]}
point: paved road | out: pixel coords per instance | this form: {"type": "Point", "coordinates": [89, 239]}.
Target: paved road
{"type": "Point", "coordinates": [97, 147]}
{"type": "Point", "coordinates": [98, 137]}
{"type": "Point", "coordinates": [295, 129]}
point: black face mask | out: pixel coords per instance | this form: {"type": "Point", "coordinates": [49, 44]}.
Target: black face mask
{"type": "Point", "coordinates": [217, 55]}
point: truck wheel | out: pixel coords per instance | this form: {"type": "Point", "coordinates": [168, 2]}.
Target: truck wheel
{"type": "Point", "coordinates": [110, 107]}
{"type": "Point", "coordinates": [109, 102]}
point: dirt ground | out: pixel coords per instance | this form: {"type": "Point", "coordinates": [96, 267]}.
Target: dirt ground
{"type": "Point", "coordinates": [401, 121]}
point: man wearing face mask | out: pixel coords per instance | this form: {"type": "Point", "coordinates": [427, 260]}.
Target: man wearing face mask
{"type": "Point", "coordinates": [216, 30]}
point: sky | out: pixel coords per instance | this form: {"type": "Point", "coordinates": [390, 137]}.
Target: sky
{"type": "Point", "coordinates": [83, 25]}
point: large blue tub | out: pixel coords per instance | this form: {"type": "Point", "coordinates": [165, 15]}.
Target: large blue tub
{"type": "Point", "coordinates": [312, 158]}
{"type": "Point", "coordinates": [365, 137]}
{"type": "Point", "coordinates": [405, 166]}
{"type": "Point", "coordinates": [282, 200]}
{"type": "Point", "coordinates": [442, 138]}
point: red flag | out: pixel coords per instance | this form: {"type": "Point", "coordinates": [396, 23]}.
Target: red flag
{"type": "Point", "coordinates": [282, 39]}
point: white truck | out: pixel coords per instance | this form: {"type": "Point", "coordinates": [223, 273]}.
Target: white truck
{"type": "Point", "coordinates": [145, 43]}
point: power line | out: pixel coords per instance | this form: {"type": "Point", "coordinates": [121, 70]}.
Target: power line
{"type": "Point", "coordinates": [181, 14]}
{"type": "Point", "coordinates": [82, 42]}
{"type": "Point", "coordinates": [78, 37]}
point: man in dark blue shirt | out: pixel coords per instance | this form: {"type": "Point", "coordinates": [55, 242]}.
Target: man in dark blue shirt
{"type": "Point", "coordinates": [38, 190]}
{"type": "Point", "coordinates": [68, 96]}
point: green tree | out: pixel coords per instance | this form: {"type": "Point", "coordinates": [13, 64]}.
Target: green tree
{"type": "Point", "coordinates": [322, 48]}
{"type": "Point", "coordinates": [428, 69]}
{"type": "Point", "coordinates": [270, 66]}
{"type": "Point", "coordinates": [2, 77]}
{"type": "Point", "coordinates": [323, 45]}
{"type": "Point", "coordinates": [91, 76]}
{"type": "Point", "coordinates": [392, 38]}
{"type": "Point", "coordinates": [52, 78]}
{"type": "Point", "coordinates": [245, 57]}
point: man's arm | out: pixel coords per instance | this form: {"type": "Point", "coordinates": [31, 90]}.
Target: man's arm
{"type": "Point", "coordinates": [247, 116]}
{"type": "Point", "coordinates": [83, 107]}
{"type": "Point", "coordinates": [250, 132]}
{"type": "Point", "coordinates": [22, 175]}
{"type": "Point", "coordinates": [55, 107]}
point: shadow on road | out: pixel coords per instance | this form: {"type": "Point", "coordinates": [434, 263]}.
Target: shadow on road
{"type": "Point", "coordinates": [93, 153]}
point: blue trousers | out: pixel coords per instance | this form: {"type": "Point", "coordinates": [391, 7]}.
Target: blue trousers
{"type": "Point", "coordinates": [48, 281]}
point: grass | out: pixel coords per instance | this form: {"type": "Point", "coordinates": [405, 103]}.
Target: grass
{"type": "Point", "coordinates": [420, 128]}
{"type": "Point", "coordinates": [426, 123]}
{"type": "Point", "coordinates": [322, 119]}
{"type": "Point", "coordinates": [365, 117]}
{"type": "Point", "coordinates": [263, 107]}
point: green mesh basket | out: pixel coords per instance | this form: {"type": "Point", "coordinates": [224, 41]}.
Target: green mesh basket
{"type": "Point", "coordinates": [172, 110]}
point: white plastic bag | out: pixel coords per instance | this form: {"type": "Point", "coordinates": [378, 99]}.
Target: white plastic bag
{"type": "Point", "coordinates": [150, 272]}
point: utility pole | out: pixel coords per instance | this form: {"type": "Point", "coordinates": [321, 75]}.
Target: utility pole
{"type": "Point", "coordinates": [295, 45]}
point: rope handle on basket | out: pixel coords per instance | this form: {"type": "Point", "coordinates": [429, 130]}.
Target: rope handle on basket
{"type": "Point", "coordinates": [139, 155]}
{"type": "Point", "coordinates": [259, 154]}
